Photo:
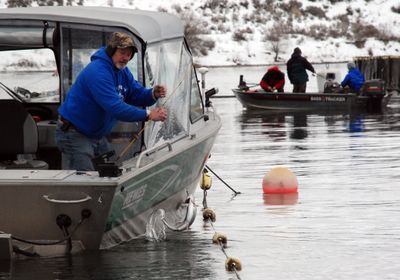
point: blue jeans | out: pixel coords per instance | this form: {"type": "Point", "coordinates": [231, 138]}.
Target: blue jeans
{"type": "Point", "coordinates": [78, 150]}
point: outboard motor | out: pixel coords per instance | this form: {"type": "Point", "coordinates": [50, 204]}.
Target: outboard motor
{"type": "Point", "coordinates": [331, 86]}
{"type": "Point", "coordinates": [374, 88]}
{"type": "Point", "coordinates": [375, 91]}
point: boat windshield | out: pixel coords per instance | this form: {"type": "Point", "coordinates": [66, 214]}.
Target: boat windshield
{"type": "Point", "coordinates": [170, 64]}
{"type": "Point", "coordinates": [28, 63]}
{"type": "Point", "coordinates": [78, 45]}
{"type": "Point", "coordinates": [29, 71]}
{"type": "Point", "coordinates": [30, 74]}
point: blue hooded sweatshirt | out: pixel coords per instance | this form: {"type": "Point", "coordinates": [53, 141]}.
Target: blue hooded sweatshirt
{"type": "Point", "coordinates": [103, 94]}
{"type": "Point", "coordinates": [354, 79]}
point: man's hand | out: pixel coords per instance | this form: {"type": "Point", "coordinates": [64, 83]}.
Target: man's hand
{"type": "Point", "coordinates": [158, 114]}
{"type": "Point", "coordinates": [159, 91]}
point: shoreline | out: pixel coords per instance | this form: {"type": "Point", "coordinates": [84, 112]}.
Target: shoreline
{"type": "Point", "coordinates": [263, 64]}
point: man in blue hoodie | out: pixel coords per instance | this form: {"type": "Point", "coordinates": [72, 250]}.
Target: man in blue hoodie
{"type": "Point", "coordinates": [104, 92]}
{"type": "Point", "coordinates": [354, 78]}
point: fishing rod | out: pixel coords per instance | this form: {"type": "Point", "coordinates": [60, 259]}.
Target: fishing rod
{"type": "Point", "coordinates": [316, 74]}
{"type": "Point", "coordinates": [319, 75]}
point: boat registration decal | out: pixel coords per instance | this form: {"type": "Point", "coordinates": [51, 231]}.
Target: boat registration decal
{"type": "Point", "coordinates": [134, 197]}
{"type": "Point", "coordinates": [327, 98]}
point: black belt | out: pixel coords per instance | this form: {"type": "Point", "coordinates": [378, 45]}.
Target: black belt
{"type": "Point", "coordinates": [65, 124]}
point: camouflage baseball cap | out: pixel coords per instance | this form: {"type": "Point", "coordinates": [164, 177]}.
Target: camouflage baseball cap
{"type": "Point", "coordinates": [121, 40]}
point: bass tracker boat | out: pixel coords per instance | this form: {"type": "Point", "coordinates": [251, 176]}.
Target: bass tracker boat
{"type": "Point", "coordinates": [373, 97]}
{"type": "Point", "coordinates": [42, 51]}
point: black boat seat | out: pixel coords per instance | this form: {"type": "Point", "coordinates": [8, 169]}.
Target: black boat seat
{"type": "Point", "coordinates": [19, 137]}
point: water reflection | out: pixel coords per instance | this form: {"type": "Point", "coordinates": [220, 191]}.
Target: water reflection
{"type": "Point", "coordinates": [183, 256]}
{"type": "Point", "coordinates": [356, 123]}
{"type": "Point", "coordinates": [351, 122]}
{"type": "Point", "coordinates": [299, 127]}
{"type": "Point", "coordinates": [276, 125]}
{"type": "Point", "coordinates": [281, 199]}
{"type": "Point", "coordinates": [295, 125]}
{"type": "Point", "coordinates": [270, 124]}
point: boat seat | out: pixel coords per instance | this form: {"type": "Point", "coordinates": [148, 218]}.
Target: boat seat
{"type": "Point", "coordinates": [19, 137]}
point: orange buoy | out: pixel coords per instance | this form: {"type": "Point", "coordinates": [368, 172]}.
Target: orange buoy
{"type": "Point", "coordinates": [280, 180]}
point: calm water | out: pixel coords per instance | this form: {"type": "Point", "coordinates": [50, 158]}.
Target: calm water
{"type": "Point", "coordinates": [344, 224]}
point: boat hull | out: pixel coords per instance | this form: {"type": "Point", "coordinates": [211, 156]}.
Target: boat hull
{"type": "Point", "coordinates": [305, 101]}
{"type": "Point", "coordinates": [31, 210]}
{"type": "Point", "coordinates": [163, 186]}
{"type": "Point", "coordinates": [150, 166]}
{"type": "Point", "coordinates": [33, 201]}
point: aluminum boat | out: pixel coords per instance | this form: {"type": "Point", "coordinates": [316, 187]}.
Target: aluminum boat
{"type": "Point", "coordinates": [155, 167]}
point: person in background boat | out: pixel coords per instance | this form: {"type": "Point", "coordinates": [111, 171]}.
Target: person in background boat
{"type": "Point", "coordinates": [105, 91]}
{"type": "Point", "coordinates": [354, 80]}
{"type": "Point", "coordinates": [296, 69]}
{"type": "Point", "coordinates": [273, 80]}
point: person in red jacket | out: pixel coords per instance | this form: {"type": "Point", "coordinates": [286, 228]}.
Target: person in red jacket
{"type": "Point", "coordinates": [273, 80]}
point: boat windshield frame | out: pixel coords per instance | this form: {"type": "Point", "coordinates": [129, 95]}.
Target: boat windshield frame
{"type": "Point", "coordinates": [170, 63]}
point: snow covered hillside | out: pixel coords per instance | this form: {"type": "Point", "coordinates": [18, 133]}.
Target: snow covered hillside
{"type": "Point", "coordinates": [248, 31]}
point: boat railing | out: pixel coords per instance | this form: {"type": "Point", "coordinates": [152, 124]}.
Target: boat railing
{"type": "Point", "coordinates": [153, 150]}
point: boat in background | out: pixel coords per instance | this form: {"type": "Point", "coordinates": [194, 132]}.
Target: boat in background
{"type": "Point", "coordinates": [373, 97]}
{"type": "Point", "coordinates": [46, 210]}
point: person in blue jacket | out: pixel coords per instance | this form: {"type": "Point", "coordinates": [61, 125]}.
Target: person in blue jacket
{"type": "Point", "coordinates": [354, 79]}
{"type": "Point", "coordinates": [105, 91]}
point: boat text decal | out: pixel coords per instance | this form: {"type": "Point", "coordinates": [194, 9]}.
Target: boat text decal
{"type": "Point", "coordinates": [134, 197]}
{"type": "Point", "coordinates": [327, 98]}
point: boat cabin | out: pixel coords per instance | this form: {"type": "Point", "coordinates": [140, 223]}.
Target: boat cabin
{"type": "Point", "coordinates": [43, 50]}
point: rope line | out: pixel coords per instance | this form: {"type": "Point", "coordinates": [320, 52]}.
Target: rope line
{"type": "Point", "coordinates": [49, 243]}
{"type": "Point", "coordinates": [225, 183]}
{"type": "Point", "coordinates": [205, 199]}
{"type": "Point", "coordinates": [221, 245]}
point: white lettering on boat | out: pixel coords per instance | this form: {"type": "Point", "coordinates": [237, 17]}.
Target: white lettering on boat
{"type": "Point", "coordinates": [327, 98]}
{"type": "Point", "coordinates": [134, 197]}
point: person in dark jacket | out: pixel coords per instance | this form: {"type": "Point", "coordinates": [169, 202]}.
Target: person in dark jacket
{"type": "Point", "coordinates": [273, 80]}
{"type": "Point", "coordinates": [354, 78]}
{"type": "Point", "coordinates": [105, 91]}
{"type": "Point", "coordinates": [296, 69]}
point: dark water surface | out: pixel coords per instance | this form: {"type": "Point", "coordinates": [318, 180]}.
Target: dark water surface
{"type": "Point", "coordinates": [344, 224]}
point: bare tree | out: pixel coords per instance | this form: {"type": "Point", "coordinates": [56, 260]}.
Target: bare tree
{"type": "Point", "coordinates": [19, 3]}
{"type": "Point", "coordinates": [275, 37]}
{"type": "Point", "coordinates": [195, 31]}
{"type": "Point", "coordinates": [275, 42]}
{"type": "Point", "coordinates": [28, 3]}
